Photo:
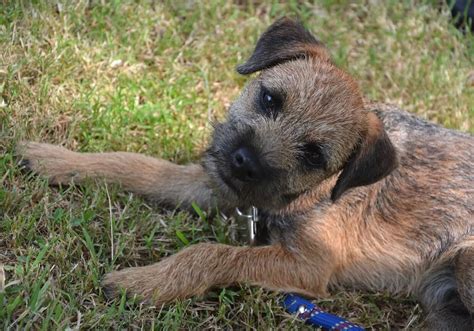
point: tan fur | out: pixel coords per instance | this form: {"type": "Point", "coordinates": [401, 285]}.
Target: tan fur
{"type": "Point", "coordinates": [410, 230]}
{"type": "Point", "coordinates": [163, 181]}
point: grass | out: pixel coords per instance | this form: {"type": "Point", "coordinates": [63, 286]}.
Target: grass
{"type": "Point", "coordinates": [147, 77]}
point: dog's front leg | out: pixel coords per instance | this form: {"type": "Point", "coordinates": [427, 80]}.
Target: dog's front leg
{"type": "Point", "coordinates": [160, 180]}
{"type": "Point", "coordinates": [198, 268]}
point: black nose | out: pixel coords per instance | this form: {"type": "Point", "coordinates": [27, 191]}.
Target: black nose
{"type": "Point", "coordinates": [245, 166]}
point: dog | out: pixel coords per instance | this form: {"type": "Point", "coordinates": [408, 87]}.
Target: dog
{"type": "Point", "coordinates": [351, 193]}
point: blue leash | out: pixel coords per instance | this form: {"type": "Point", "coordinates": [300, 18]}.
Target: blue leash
{"type": "Point", "coordinates": [313, 315]}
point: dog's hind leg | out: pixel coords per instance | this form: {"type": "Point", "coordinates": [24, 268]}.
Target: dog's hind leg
{"type": "Point", "coordinates": [464, 273]}
{"type": "Point", "coordinates": [159, 180]}
{"type": "Point", "coordinates": [447, 294]}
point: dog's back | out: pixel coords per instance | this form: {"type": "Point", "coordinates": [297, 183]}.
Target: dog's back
{"type": "Point", "coordinates": [437, 177]}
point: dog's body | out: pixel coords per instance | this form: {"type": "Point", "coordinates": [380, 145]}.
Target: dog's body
{"type": "Point", "coordinates": [350, 193]}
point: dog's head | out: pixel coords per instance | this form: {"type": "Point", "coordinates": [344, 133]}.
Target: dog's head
{"type": "Point", "coordinates": [301, 121]}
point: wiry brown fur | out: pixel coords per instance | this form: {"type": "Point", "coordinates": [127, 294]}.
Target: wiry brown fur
{"type": "Point", "coordinates": [390, 206]}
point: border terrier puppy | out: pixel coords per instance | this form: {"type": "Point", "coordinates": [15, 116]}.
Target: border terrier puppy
{"type": "Point", "coordinates": [351, 193]}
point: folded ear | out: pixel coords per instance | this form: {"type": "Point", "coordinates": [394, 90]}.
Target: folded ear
{"type": "Point", "coordinates": [374, 159]}
{"type": "Point", "coordinates": [284, 40]}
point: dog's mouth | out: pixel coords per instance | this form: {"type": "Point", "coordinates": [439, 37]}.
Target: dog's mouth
{"type": "Point", "coordinates": [265, 194]}
{"type": "Point", "coordinates": [228, 182]}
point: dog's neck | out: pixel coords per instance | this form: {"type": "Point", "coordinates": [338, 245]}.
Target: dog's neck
{"type": "Point", "coordinates": [310, 199]}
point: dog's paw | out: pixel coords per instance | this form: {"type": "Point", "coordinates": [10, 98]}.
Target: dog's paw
{"type": "Point", "coordinates": [115, 282]}
{"type": "Point", "coordinates": [137, 284]}
{"type": "Point", "coordinates": [160, 283]}
{"type": "Point", "coordinates": [55, 163]}
{"type": "Point", "coordinates": [110, 287]}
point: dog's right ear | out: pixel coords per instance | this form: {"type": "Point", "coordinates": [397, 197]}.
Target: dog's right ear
{"type": "Point", "coordinates": [284, 40]}
{"type": "Point", "coordinates": [374, 159]}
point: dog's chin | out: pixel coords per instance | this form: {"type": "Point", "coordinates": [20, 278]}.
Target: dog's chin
{"type": "Point", "coordinates": [252, 194]}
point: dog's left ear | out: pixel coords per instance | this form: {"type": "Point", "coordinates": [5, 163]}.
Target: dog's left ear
{"type": "Point", "coordinates": [284, 40]}
{"type": "Point", "coordinates": [374, 159]}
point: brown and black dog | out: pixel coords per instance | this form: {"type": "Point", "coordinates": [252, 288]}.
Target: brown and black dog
{"type": "Point", "coordinates": [351, 193]}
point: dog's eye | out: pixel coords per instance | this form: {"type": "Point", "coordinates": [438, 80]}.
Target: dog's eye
{"type": "Point", "coordinates": [269, 102]}
{"type": "Point", "coordinates": [313, 156]}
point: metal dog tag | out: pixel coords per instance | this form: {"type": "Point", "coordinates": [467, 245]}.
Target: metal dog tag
{"type": "Point", "coordinates": [252, 219]}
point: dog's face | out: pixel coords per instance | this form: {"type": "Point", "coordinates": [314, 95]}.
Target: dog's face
{"type": "Point", "coordinates": [301, 121]}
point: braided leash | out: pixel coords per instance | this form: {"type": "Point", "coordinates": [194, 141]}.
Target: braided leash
{"type": "Point", "coordinates": [305, 310]}
{"type": "Point", "coordinates": [313, 315]}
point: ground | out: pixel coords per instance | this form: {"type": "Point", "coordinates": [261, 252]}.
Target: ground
{"type": "Point", "coordinates": [150, 77]}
